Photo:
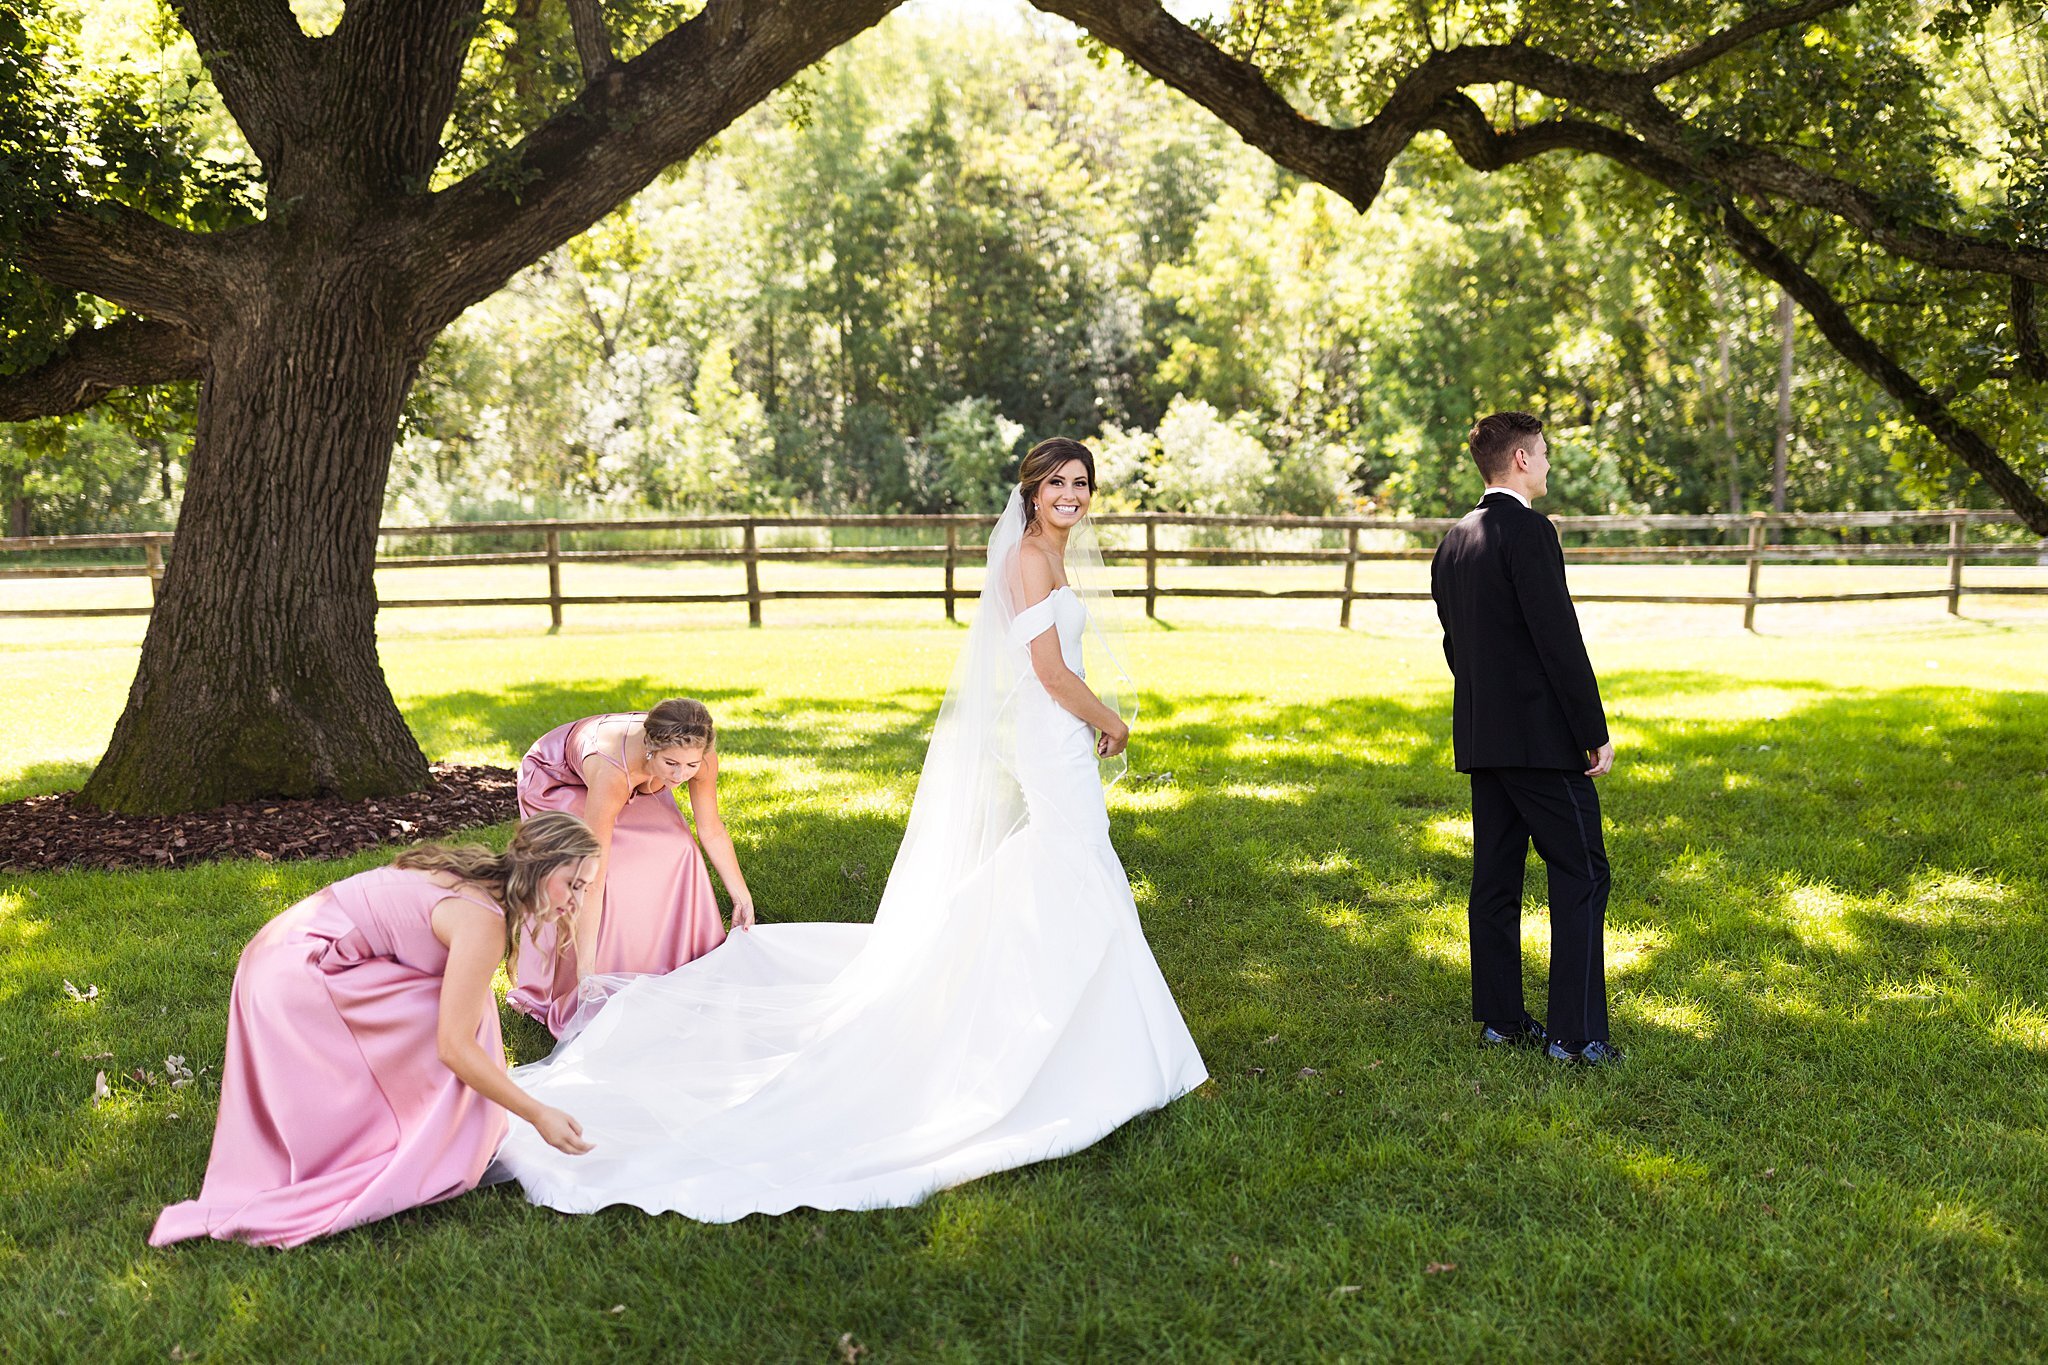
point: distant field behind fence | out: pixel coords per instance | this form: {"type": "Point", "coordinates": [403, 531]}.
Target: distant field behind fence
{"type": "Point", "coordinates": [1157, 557]}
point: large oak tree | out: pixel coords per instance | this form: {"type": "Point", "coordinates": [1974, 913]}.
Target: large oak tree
{"type": "Point", "coordinates": [1805, 136]}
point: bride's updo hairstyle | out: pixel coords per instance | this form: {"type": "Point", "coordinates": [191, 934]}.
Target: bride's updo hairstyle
{"type": "Point", "coordinates": [1039, 463]}
{"type": "Point", "coordinates": [680, 723]}
{"type": "Point", "coordinates": [513, 878]}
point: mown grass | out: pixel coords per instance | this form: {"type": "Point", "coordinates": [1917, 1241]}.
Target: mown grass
{"type": "Point", "coordinates": [1826, 946]}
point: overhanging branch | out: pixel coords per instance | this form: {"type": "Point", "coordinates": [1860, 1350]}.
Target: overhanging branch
{"type": "Point", "coordinates": [593, 42]}
{"type": "Point", "coordinates": [1483, 149]}
{"type": "Point", "coordinates": [127, 257]}
{"type": "Point", "coordinates": [646, 115]}
{"type": "Point", "coordinates": [254, 50]}
{"type": "Point", "coordinates": [1720, 44]}
{"type": "Point", "coordinates": [94, 362]}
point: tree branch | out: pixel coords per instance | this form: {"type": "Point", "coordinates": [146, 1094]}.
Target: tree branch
{"type": "Point", "coordinates": [255, 51]}
{"type": "Point", "coordinates": [1720, 44]}
{"type": "Point", "coordinates": [95, 362]}
{"type": "Point", "coordinates": [2026, 333]}
{"type": "Point", "coordinates": [593, 43]}
{"type": "Point", "coordinates": [1483, 149]}
{"type": "Point", "coordinates": [127, 257]}
{"type": "Point", "coordinates": [396, 67]}
{"type": "Point", "coordinates": [1354, 161]}
{"type": "Point", "coordinates": [623, 130]}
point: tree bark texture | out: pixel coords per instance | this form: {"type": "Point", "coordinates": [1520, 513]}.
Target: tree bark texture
{"type": "Point", "coordinates": [1781, 448]}
{"type": "Point", "coordinates": [259, 673]}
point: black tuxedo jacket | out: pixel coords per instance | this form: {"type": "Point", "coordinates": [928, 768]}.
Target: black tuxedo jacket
{"type": "Point", "coordinates": [1525, 695]}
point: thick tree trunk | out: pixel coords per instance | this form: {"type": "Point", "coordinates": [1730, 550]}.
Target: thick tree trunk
{"type": "Point", "coordinates": [259, 673]}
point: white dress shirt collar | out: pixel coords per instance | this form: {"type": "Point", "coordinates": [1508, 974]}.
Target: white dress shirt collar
{"type": "Point", "coordinates": [1496, 488]}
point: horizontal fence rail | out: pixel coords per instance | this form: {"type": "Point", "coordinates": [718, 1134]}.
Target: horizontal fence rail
{"type": "Point", "coordinates": [962, 548]}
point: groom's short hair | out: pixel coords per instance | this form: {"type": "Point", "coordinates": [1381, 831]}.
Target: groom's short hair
{"type": "Point", "coordinates": [1495, 436]}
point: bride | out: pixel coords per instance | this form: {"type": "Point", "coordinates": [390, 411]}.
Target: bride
{"type": "Point", "coordinates": [1003, 1008]}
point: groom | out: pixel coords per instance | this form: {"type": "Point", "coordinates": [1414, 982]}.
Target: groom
{"type": "Point", "coordinates": [1527, 725]}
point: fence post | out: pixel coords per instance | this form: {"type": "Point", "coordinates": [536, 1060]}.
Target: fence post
{"type": "Point", "coordinates": [554, 581]}
{"type": "Point", "coordinates": [153, 555]}
{"type": "Point", "coordinates": [1350, 577]}
{"type": "Point", "coordinates": [1152, 571]}
{"type": "Point", "coordinates": [1756, 549]}
{"type": "Point", "coordinates": [952, 558]}
{"type": "Point", "coordinates": [1956, 531]}
{"type": "Point", "coordinates": [753, 576]}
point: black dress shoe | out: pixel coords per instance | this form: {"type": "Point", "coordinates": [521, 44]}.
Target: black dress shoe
{"type": "Point", "coordinates": [1595, 1053]}
{"type": "Point", "coordinates": [1528, 1033]}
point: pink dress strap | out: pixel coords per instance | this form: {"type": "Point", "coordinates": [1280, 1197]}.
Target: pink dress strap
{"type": "Point", "coordinates": [602, 751]}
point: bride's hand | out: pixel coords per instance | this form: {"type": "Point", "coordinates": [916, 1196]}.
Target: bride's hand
{"type": "Point", "coordinates": [561, 1132]}
{"type": "Point", "coordinates": [1110, 743]}
{"type": "Point", "coordinates": [742, 912]}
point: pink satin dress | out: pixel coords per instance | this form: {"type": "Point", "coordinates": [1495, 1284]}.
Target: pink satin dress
{"type": "Point", "coordinates": [335, 1108]}
{"type": "Point", "coordinates": [659, 910]}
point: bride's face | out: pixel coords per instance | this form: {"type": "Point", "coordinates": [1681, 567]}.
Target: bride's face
{"type": "Point", "coordinates": [1064, 496]}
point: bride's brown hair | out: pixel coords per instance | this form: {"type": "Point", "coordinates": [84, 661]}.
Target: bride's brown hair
{"type": "Point", "coordinates": [513, 878]}
{"type": "Point", "coordinates": [1040, 462]}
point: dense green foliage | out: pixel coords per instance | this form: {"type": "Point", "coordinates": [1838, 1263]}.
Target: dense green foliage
{"type": "Point", "coordinates": [960, 235]}
{"type": "Point", "coordinates": [1826, 944]}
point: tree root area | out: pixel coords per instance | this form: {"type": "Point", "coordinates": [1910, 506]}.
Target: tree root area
{"type": "Point", "coordinates": [44, 833]}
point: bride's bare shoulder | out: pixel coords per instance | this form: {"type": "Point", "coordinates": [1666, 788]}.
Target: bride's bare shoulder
{"type": "Point", "coordinates": [1039, 568]}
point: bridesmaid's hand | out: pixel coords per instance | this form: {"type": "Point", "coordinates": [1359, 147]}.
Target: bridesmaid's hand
{"type": "Point", "coordinates": [561, 1132]}
{"type": "Point", "coordinates": [742, 912]}
{"type": "Point", "coordinates": [1110, 743]}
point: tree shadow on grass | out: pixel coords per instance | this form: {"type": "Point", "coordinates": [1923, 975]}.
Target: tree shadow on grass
{"type": "Point", "coordinates": [1826, 946]}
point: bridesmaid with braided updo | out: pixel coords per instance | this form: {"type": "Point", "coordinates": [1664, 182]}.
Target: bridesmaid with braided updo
{"type": "Point", "coordinates": [652, 908]}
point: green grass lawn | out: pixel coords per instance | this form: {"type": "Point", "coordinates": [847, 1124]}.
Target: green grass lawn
{"type": "Point", "coordinates": [1826, 951]}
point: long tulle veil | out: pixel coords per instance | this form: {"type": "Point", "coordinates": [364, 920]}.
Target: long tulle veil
{"type": "Point", "coordinates": [968, 797]}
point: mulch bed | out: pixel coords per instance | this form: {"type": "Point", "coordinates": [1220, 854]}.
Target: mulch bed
{"type": "Point", "coordinates": [44, 833]}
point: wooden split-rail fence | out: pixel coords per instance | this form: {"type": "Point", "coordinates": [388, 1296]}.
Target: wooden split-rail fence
{"type": "Point", "coordinates": [1760, 542]}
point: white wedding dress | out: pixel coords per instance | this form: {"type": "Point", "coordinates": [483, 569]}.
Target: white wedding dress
{"type": "Point", "coordinates": [1003, 1008]}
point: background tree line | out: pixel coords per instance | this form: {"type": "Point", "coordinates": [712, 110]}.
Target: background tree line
{"type": "Point", "coordinates": [880, 286]}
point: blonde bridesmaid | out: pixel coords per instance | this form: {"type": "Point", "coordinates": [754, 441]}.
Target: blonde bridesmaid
{"type": "Point", "coordinates": [652, 908]}
{"type": "Point", "coordinates": [365, 1073]}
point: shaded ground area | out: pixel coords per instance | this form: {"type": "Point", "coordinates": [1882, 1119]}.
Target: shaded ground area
{"type": "Point", "coordinates": [45, 833]}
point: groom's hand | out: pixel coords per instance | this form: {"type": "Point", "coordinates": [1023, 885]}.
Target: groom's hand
{"type": "Point", "coordinates": [1603, 760]}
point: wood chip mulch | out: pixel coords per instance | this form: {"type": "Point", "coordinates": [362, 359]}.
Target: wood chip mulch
{"type": "Point", "coordinates": [44, 833]}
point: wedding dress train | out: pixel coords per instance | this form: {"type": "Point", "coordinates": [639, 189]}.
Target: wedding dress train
{"type": "Point", "coordinates": [1003, 1008]}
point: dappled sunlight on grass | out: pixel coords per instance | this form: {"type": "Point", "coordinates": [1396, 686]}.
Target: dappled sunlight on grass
{"type": "Point", "coordinates": [1292, 793]}
{"type": "Point", "coordinates": [1448, 836]}
{"type": "Point", "coordinates": [1819, 915]}
{"type": "Point", "coordinates": [1671, 1014]}
{"type": "Point", "coordinates": [1826, 949]}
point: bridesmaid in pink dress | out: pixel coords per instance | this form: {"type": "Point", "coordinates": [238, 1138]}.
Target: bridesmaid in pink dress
{"type": "Point", "coordinates": [652, 908]}
{"type": "Point", "coordinates": [364, 1071]}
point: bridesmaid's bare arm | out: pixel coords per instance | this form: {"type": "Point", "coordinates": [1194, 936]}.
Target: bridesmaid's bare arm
{"type": "Point", "coordinates": [1061, 683]}
{"type": "Point", "coordinates": [718, 849]}
{"type": "Point", "coordinates": [476, 944]}
{"type": "Point", "coordinates": [606, 792]}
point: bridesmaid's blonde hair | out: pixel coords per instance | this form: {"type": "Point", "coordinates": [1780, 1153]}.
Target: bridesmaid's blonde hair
{"type": "Point", "coordinates": [680, 723]}
{"type": "Point", "coordinates": [512, 878]}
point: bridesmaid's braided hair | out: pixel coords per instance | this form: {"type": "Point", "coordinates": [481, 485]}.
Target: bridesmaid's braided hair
{"type": "Point", "coordinates": [680, 723]}
{"type": "Point", "coordinates": [513, 878]}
